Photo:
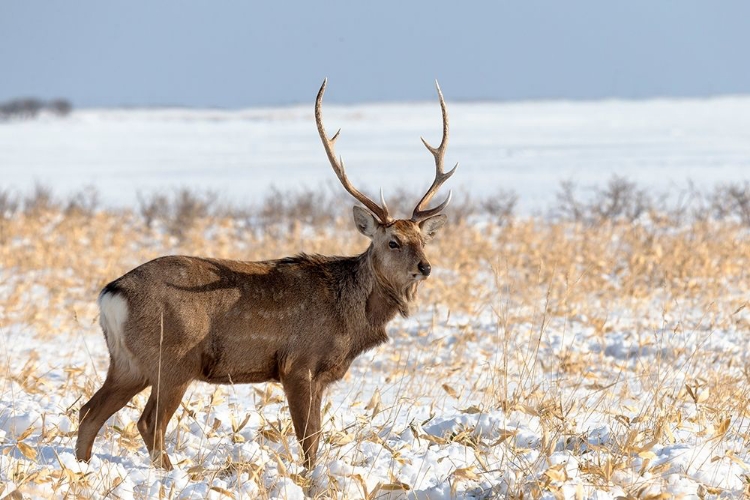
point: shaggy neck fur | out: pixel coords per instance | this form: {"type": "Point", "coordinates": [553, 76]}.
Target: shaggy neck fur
{"type": "Point", "coordinates": [385, 299]}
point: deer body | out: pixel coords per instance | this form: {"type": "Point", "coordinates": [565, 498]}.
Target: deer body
{"type": "Point", "coordinates": [245, 322]}
{"type": "Point", "coordinates": [299, 320]}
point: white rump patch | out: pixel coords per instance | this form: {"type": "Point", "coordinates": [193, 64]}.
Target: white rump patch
{"type": "Point", "coordinates": [113, 313]}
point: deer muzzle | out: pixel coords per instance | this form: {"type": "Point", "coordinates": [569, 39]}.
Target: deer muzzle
{"type": "Point", "coordinates": [425, 268]}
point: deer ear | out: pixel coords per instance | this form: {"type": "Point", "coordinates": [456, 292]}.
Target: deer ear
{"type": "Point", "coordinates": [431, 225]}
{"type": "Point", "coordinates": [365, 221]}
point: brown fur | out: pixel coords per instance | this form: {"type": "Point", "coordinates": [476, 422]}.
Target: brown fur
{"type": "Point", "coordinates": [300, 320]}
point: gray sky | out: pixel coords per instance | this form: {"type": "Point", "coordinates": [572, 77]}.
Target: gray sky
{"type": "Point", "coordinates": [232, 53]}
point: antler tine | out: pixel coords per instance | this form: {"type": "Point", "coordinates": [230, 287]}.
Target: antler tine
{"type": "Point", "coordinates": [338, 164]}
{"type": "Point", "coordinates": [420, 212]}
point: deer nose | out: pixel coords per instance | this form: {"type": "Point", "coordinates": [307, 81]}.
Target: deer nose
{"type": "Point", "coordinates": [424, 268]}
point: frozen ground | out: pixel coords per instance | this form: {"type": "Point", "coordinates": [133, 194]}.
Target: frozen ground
{"type": "Point", "coordinates": [577, 414]}
{"type": "Point", "coordinates": [417, 418]}
{"type": "Point", "coordinates": [529, 147]}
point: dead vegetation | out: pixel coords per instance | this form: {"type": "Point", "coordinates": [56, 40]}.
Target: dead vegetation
{"type": "Point", "coordinates": [612, 263]}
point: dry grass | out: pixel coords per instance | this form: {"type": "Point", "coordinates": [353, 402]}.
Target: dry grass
{"type": "Point", "coordinates": [531, 284]}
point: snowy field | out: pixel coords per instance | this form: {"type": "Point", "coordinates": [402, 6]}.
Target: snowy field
{"type": "Point", "coordinates": [544, 360]}
{"type": "Point", "coordinates": [526, 147]}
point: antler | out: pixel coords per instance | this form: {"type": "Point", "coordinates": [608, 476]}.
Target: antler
{"type": "Point", "coordinates": [381, 212]}
{"type": "Point", "coordinates": [420, 213]}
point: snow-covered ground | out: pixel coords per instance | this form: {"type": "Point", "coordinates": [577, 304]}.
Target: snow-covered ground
{"type": "Point", "coordinates": [528, 147]}
{"type": "Point", "coordinates": [457, 405]}
{"type": "Point", "coordinates": [417, 418]}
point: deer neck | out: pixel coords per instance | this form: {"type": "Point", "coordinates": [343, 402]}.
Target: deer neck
{"type": "Point", "coordinates": [384, 300]}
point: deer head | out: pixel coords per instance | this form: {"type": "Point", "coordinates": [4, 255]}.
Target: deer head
{"type": "Point", "coordinates": [397, 250]}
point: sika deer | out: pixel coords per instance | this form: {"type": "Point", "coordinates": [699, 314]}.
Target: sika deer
{"type": "Point", "coordinates": [299, 320]}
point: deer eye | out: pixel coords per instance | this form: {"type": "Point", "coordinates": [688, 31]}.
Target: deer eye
{"type": "Point", "coordinates": [393, 244]}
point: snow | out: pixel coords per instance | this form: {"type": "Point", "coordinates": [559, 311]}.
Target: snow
{"type": "Point", "coordinates": [413, 441]}
{"type": "Point", "coordinates": [528, 147]}
{"type": "Point", "coordinates": [427, 432]}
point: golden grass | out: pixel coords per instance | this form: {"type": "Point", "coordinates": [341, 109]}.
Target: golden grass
{"type": "Point", "coordinates": [75, 256]}
{"type": "Point", "coordinates": [538, 281]}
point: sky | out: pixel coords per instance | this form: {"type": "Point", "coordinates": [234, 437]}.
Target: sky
{"type": "Point", "coordinates": [236, 54]}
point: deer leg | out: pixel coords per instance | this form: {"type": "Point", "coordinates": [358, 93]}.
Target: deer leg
{"type": "Point", "coordinates": [152, 425]}
{"type": "Point", "coordinates": [304, 397]}
{"type": "Point", "coordinates": [115, 393]}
